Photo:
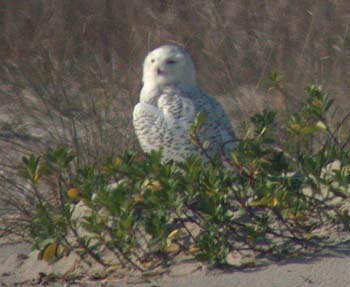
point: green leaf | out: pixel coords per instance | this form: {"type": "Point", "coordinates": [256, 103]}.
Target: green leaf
{"type": "Point", "coordinates": [312, 128]}
{"type": "Point", "coordinates": [197, 125]}
{"type": "Point", "coordinates": [265, 201]}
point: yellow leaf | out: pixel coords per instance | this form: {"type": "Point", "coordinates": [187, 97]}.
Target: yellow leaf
{"type": "Point", "coordinates": [275, 202]}
{"type": "Point", "coordinates": [172, 248]}
{"type": "Point", "coordinates": [296, 127]}
{"type": "Point", "coordinates": [259, 202]}
{"type": "Point", "coordinates": [175, 233]}
{"type": "Point", "coordinates": [155, 185]}
{"type": "Point", "coordinates": [74, 193]}
{"type": "Point", "coordinates": [296, 216]}
{"type": "Point", "coordinates": [291, 215]}
{"type": "Point", "coordinates": [118, 160]}
{"type": "Point", "coordinates": [152, 184]}
{"type": "Point", "coordinates": [49, 253]}
{"type": "Point", "coordinates": [193, 249]}
{"type": "Point", "coordinates": [317, 103]}
{"type": "Point", "coordinates": [300, 216]}
{"type": "Point", "coordinates": [146, 183]}
{"type": "Point", "coordinates": [312, 128]}
{"type": "Point", "coordinates": [37, 177]}
{"type": "Point", "coordinates": [148, 264]}
{"type": "Point", "coordinates": [309, 236]}
{"type": "Point", "coordinates": [139, 197]}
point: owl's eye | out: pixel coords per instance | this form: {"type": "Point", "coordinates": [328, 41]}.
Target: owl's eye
{"type": "Point", "coordinates": [152, 60]}
{"type": "Point", "coordinates": [170, 62]}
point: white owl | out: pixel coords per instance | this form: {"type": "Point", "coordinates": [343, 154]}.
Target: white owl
{"type": "Point", "coordinates": [170, 101]}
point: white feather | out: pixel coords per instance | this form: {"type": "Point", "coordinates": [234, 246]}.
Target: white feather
{"type": "Point", "coordinates": [169, 104]}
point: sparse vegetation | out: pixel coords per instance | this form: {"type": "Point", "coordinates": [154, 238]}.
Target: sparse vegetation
{"type": "Point", "coordinates": [82, 183]}
{"type": "Point", "coordinates": [274, 200]}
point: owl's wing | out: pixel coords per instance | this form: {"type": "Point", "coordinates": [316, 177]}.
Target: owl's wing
{"type": "Point", "coordinates": [149, 124]}
{"type": "Point", "coordinates": [165, 125]}
{"type": "Point", "coordinates": [218, 119]}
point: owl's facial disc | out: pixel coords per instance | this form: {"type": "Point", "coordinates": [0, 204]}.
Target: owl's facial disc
{"type": "Point", "coordinates": [168, 65]}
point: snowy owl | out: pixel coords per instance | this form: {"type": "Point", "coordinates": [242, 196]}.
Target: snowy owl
{"type": "Point", "coordinates": [170, 101]}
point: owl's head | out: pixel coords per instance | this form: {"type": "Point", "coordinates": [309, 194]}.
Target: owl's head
{"type": "Point", "coordinates": [168, 64]}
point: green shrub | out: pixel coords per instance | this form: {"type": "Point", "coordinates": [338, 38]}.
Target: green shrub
{"type": "Point", "coordinates": [271, 198]}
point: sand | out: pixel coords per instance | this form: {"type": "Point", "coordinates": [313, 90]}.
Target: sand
{"type": "Point", "coordinates": [20, 267]}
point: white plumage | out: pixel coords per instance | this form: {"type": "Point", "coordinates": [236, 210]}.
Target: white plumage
{"type": "Point", "coordinates": [169, 103]}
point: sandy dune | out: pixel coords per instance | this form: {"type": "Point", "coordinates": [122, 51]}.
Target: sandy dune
{"type": "Point", "coordinates": [18, 266]}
